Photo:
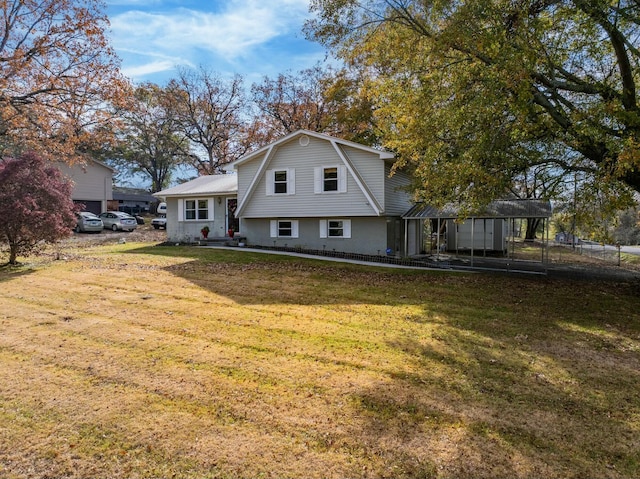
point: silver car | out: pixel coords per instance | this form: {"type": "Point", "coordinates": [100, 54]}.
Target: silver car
{"type": "Point", "coordinates": [88, 222]}
{"type": "Point", "coordinates": [117, 220]}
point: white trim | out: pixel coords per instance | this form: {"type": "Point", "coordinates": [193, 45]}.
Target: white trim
{"type": "Point", "coordinates": [291, 181]}
{"type": "Point", "coordinates": [318, 179]}
{"type": "Point", "coordinates": [323, 228]}
{"type": "Point", "coordinates": [342, 179]}
{"type": "Point", "coordinates": [210, 208]}
{"type": "Point", "coordinates": [265, 161]}
{"type": "Point", "coordinates": [375, 205]}
{"type": "Point", "coordinates": [180, 209]}
{"type": "Point", "coordinates": [182, 205]}
{"type": "Point", "coordinates": [270, 179]}
{"type": "Point", "coordinates": [382, 154]}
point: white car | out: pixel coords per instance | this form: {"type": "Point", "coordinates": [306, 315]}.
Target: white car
{"type": "Point", "coordinates": [159, 222]}
{"type": "Point", "coordinates": [117, 220]}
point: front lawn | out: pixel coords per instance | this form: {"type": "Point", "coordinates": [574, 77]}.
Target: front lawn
{"type": "Point", "coordinates": [141, 361]}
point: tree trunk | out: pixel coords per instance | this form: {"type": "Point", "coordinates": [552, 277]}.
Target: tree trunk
{"type": "Point", "coordinates": [13, 253]}
{"type": "Point", "coordinates": [532, 227]}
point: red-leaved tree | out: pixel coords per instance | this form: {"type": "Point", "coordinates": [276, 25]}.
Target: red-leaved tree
{"type": "Point", "coordinates": [35, 204]}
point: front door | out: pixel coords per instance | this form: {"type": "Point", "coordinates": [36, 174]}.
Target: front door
{"type": "Point", "coordinates": [232, 221]}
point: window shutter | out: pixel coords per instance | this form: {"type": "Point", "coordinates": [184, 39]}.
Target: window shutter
{"type": "Point", "coordinates": [274, 228]}
{"type": "Point", "coordinates": [291, 181]}
{"type": "Point", "coordinates": [210, 208]}
{"type": "Point", "coordinates": [317, 179]}
{"type": "Point", "coordinates": [342, 179]}
{"type": "Point", "coordinates": [346, 228]}
{"type": "Point", "coordinates": [323, 228]}
{"type": "Point", "coordinates": [180, 209]}
{"type": "Point", "coordinates": [270, 178]}
{"type": "Point", "coordinates": [294, 228]}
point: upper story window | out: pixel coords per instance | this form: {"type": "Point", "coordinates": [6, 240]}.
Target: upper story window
{"type": "Point", "coordinates": [281, 182]}
{"type": "Point", "coordinates": [330, 179]}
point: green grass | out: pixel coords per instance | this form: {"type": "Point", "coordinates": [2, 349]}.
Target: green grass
{"type": "Point", "coordinates": [138, 360]}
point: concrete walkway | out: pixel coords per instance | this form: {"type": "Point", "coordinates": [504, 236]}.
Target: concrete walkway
{"type": "Point", "coordinates": [455, 264]}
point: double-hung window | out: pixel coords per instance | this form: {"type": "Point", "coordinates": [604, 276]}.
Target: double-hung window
{"type": "Point", "coordinates": [335, 228]}
{"type": "Point", "coordinates": [195, 210]}
{"type": "Point", "coordinates": [330, 179]}
{"type": "Point", "coordinates": [284, 228]}
{"type": "Point", "coordinates": [281, 182]}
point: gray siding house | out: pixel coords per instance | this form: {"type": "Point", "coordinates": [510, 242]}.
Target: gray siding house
{"type": "Point", "coordinates": [205, 201]}
{"type": "Point", "coordinates": [306, 190]}
{"type": "Point", "coordinates": [92, 184]}
{"type": "Point", "coordinates": [313, 191]}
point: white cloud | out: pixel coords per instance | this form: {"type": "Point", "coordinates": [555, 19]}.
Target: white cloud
{"type": "Point", "coordinates": [228, 34]}
{"type": "Point", "coordinates": [143, 70]}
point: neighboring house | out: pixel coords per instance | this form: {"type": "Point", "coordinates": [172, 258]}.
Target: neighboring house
{"type": "Point", "coordinates": [313, 191]}
{"type": "Point", "coordinates": [92, 184]}
{"type": "Point", "coordinates": [205, 201]}
{"type": "Point", "coordinates": [132, 200]}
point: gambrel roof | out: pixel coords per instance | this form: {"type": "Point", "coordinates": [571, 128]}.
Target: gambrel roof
{"type": "Point", "coordinates": [267, 153]}
{"type": "Point", "coordinates": [385, 155]}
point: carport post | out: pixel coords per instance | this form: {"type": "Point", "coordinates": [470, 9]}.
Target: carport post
{"type": "Point", "coordinates": [473, 238]}
{"type": "Point", "coordinates": [438, 241]}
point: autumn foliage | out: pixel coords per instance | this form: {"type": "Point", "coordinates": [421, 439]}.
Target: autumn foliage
{"type": "Point", "coordinates": [59, 79]}
{"type": "Point", "coordinates": [35, 204]}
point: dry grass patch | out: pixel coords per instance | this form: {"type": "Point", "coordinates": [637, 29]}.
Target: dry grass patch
{"type": "Point", "coordinates": [142, 361]}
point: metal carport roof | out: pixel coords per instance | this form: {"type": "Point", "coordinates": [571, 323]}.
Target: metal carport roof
{"type": "Point", "coordinates": [515, 208]}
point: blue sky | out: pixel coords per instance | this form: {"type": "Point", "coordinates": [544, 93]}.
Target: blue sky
{"type": "Point", "coordinates": [251, 37]}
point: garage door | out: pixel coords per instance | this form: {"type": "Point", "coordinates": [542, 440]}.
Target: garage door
{"type": "Point", "coordinates": [92, 206]}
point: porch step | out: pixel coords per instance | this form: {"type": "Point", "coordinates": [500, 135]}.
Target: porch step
{"type": "Point", "coordinates": [222, 241]}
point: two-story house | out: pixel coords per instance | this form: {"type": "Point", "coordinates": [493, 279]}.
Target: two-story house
{"type": "Point", "coordinates": [315, 191]}
{"type": "Point", "coordinates": [306, 190]}
{"type": "Point", "coordinates": [92, 184]}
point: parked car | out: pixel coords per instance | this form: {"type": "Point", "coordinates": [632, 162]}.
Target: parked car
{"type": "Point", "coordinates": [159, 222]}
{"type": "Point", "coordinates": [139, 219]}
{"type": "Point", "coordinates": [88, 222]}
{"type": "Point", "coordinates": [117, 220]}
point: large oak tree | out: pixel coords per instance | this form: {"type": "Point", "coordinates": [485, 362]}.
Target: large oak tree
{"type": "Point", "coordinates": [211, 113]}
{"type": "Point", "coordinates": [472, 93]}
{"type": "Point", "coordinates": [317, 99]}
{"type": "Point", "coordinates": [151, 141]}
{"type": "Point", "coordinates": [59, 78]}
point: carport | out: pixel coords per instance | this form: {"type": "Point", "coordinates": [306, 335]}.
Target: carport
{"type": "Point", "coordinates": [486, 230]}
